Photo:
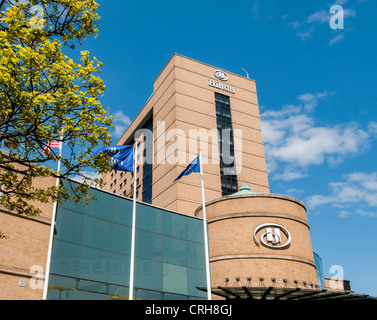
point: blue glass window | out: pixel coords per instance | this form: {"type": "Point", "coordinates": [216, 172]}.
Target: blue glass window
{"type": "Point", "coordinates": [149, 219]}
{"type": "Point", "coordinates": [148, 166]}
{"type": "Point", "coordinates": [195, 230]}
{"type": "Point", "coordinates": [92, 248]}
{"type": "Point", "coordinates": [119, 269]}
{"type": "Point", "coordinates": [96, 233]}
{"type": "Point", "coordinates": [101, 206]}
{"type": "Point", "coordinates": [174, 225]}
{"type": "Point", "coordinates": [70, 226]}
{"type": "Point", "coordinates": [148, 275]}
{"type": "Point", "coordinates": [65, 258]}
{"type": "Point", "coordinates": [229, 183]}
{"type": "Point", "coordinates": [149, 245]}
{"type": "Point", "coordinates": [195, 254]}
{"type": "Point", "coordinates": [175, 279]}
{"type": "Point", "coordinates": [122, 213]}
{"type": "Point", "coordinates": [175, 251]}
{"type": "Point", "coordinates": [94, 264]}
{"type": "Point", "coordinates": [196, 278]}
{"type": "Point", "coordinates": [121, 239]}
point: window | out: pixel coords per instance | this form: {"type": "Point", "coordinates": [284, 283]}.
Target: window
{"type": "Point", "coordinates": [229, 183]}
{"type": "Point", "coordinates": [147, 166]}
{"type": "Point", "coordinates": [92, 249]}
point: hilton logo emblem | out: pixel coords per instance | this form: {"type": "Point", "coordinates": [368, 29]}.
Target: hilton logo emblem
{"type": "Point", "coordinates": [272, 237]}
{"type": "Point", "coordinates": [221, 75]}
{"type": "Point", "coordinates": [112, 152]}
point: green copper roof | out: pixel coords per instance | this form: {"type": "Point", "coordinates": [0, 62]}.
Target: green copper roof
{"type": "Point", "coordinates": [244, 189]}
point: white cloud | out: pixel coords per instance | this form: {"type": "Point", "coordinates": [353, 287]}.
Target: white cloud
{"type": "Point", "coordinates": [288, 175]}
{"type": "Point", "coordinates": [295, 193]}
{"type": "Point", "coordinates": [366, 213]}
{"type": "Point", "coordinates": [363, 213]}
{"type": "Point", "coordinates": [337, 38]}
{"type": "Point", "coordinates": [121, 123]}
{"type": "Point", "coordinates": [255, 11]}
{"type": "Point", "coordinates": [293, 140]}
{"type": "Point", "coordinates": [89, 175]}
{"type": "Point", "coordinates": [320, 16]}
{"type": "Point", "coordinates": [310, 100]}
{"type": "Point", "coordinates": [356, 194]}
{"type": "Point", "coordinates": [372, 127]}
{"type": "Point", "coordinates": [306, 27]}
{"type": "Point", "coordinates": [295, 24]}
{"type": "Point", "coordinates": [305, 35]}
{"type": "Point", "coordinates": [341, 2]}
{"type": "Point", "coordinates": [315, 144]}
{"type": "Point", "coordinates": [323, 16]}
{"type": "Point", "coordinates": [350, 13]}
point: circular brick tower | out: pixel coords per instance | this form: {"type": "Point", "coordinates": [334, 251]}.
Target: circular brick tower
{"type": "Point", "coordinates": [259, 240]}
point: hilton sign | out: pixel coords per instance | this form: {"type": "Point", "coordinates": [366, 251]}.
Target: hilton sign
{"type": "Point", "coordinates": [272, 237]}
{"type": "Point", "coordinates": [221, 75]}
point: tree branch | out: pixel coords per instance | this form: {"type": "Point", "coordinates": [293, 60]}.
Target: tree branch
{"type": "Point", "coordinates": [1, 3]}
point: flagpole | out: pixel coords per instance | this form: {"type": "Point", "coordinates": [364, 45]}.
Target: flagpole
{"type": "Point", "coordinates": [132, 266]}
{"type": "Point", "coordinates": [53, 218]}
{"type": "Point", "coordinates": [208, 273]}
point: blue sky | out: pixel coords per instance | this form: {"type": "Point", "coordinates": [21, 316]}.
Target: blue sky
{"type": "Point", "coordinates": [316, 89]}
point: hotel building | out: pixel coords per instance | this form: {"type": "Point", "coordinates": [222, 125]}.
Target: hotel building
{"type": "Point", "coordinates": [192, 109]}
{"type": "Point", "coordinates": [259, 243]}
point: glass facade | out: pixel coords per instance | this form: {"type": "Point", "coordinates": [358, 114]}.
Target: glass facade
{"type": "Point", "coordinates": [319, 270]}
{"type": "Point", "coordinates": [229, 183]}
{"type": "Point", "coordinates": [92, 245]}
{"type": "Point", "coordinates": [148, 167]}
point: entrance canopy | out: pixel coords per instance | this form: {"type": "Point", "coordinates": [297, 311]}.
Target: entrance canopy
{"type": "Point", "coordinates": [276, 293]}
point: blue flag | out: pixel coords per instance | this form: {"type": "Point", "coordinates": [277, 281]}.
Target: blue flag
{"type": "Point", "coordinates": [194, 166]}
{"type": "Point", "coordinates": [122, 157]}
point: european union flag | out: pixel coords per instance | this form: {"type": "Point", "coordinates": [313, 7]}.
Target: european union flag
{"type": "Point", "coordinates": [122, 157]}
{"type": "Point", "coordinates": [194, 166]}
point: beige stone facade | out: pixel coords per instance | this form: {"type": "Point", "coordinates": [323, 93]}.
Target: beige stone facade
{"type": "Point", "coordinates": [23, 253]}
{"type": "Point", "coordinates": [182, 104]}
{"type": "Point", "coordinates": [237, 256]}
{"type": "Point", "coordinates": [23, 250]}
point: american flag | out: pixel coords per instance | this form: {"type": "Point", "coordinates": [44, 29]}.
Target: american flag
{"type": "Point", "coordinates": [53, 144]}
